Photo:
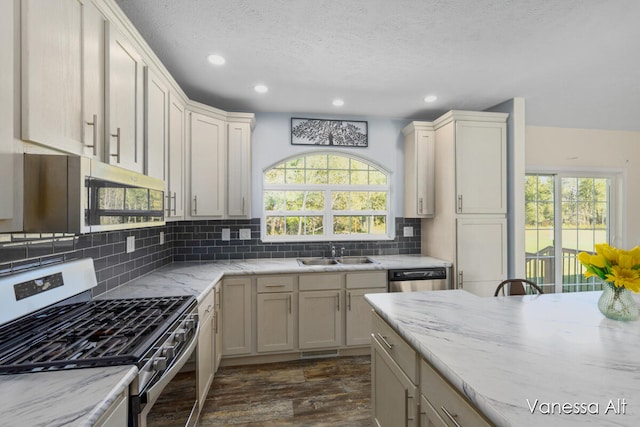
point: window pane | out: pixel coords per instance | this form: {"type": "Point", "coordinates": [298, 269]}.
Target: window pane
{"type": "Point", "coordinates": [569, 189]}
{"type": "Point", "coordinates": [275, 225]}
{"type": "Point", "coordinates": [357, 165]}
{"type": "Point", "coordinates": [359, 201]}
{"type": "Point", "coordinates": [274, 176]}
{"type": "Point", "coordinates": [360, 224]}
{"type": "Point", "coordinates": [317, 162]}
{"type": "Point", "coordinates": [600, 189]}
{"type": "Point", "coordinates": [338, 177]}
{"type": "Point", "coordinates": [338, 162]}
{"type": "Point", "coordinates": [377, 178]}
{"type": "Point", "coordinates": [317, 176]}
{"type": "Point", "coordinates": [274, 200]}
{"type": "Point", "coordinates": [313, 225]}
{"type": "Point", "coordinates": [378, 200]}
{"type": "Point", "coordinates": [340, 200]}
{"type": "Point", "coordinates": [295, 163]}
{"type": "Point", "coordinates": [341, 224]}
{"type": "Point", "coordinates": [314, 201]}
{"type": "Point", "coordinates": [295, 200]}
{"type": "Point", "coordinates": [295, 176]}
{"type": "Point", "coordinates": [359, 177]}
{"type": "Point", "coordinates": [379, 225]}
{"type": "Point", "coordinates": [294, 226]}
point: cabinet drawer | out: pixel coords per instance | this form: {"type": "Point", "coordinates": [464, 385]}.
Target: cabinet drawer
{"type": "Point", "coordinates": [275, 284]}
{"type": "Point", "coordinates": [205, 308]}
{"type": "Point", "coordinates": [398, 349]}
{"type": "Point", "coordinates": [320, 282]}
{"type": "Point", "coordinates": [368, 279]}
{"type": "Point", "coordinates": [446, 401]}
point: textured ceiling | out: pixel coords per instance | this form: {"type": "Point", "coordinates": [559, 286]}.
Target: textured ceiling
{"type": "Point", "coordinates": [576, 62]}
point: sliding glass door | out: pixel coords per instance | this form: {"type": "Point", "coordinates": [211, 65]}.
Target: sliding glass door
{"type": "Point", "coordinates": [565, 214]}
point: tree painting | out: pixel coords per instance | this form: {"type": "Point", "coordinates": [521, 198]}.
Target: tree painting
{"type": "Point", "coordinates": [328, 132]}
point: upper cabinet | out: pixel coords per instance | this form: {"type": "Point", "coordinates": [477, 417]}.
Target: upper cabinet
{"type": "Point", "coordinates": [239, 170]}
{"type": "Point", "coordinates": [419, 185]}
{"type": "Point", "coordinates": [63, 75]}
{"type": "Point", "coordinates": [156, 114]}
{"type": "Point", "coordinates": [175, 159]}
{"type": "Point", "coordinates": [125, 101]}
{"type": "Point", "coordinates": [207, 149]}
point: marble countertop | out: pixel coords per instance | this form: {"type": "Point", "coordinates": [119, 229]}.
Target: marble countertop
{"type": "Point", "coordinates": [79, 397]}
{"type": "Point", "coordinates": [196, 278]}
{"type": "Point", "coordinates": [515, 358]}
{"type": "Point", "coordinates": [76, 397]}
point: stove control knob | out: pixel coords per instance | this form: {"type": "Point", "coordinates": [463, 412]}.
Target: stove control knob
{"type": "Point", "coordinates": [190, 324]}
{"type": "Point", "coordinates": [159, 364]}
{"type": "Point", "coordinates": [169, 352]}
{"type": "Point", "coordinates": [180, 335]}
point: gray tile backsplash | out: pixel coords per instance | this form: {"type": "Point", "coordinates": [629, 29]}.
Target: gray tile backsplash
{"type": "Point", "coordinates": [184, 241]}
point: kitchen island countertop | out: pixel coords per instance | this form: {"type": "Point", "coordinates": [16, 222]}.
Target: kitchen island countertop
{"type": "Point", "coordinates": [515, 358]}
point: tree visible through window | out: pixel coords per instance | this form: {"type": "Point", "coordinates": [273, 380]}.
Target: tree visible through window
{"type": "Point", "coordinates": [325, 196]}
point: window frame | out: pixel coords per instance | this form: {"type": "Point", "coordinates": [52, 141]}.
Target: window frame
{"type": "Point", "coordinates": [328, 213]}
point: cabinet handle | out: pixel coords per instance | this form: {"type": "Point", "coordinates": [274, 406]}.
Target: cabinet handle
{"type": "Point", "coordinates": [384, 340]}
{"type": "Point", "coordinates": [408, 402]}
{"type": "Point", "coordinates": [459, 202]}
{"type": "Point", "coordinates": [290, 303]}
{"type": "Point", "coordinates": [215, 321]}
{"type": "Point", "coordinates": [273, 286]}
{"type": "Point", "coordinates": [338, 302]}
{"type": "Point", "coordinates": [195, 205]}
{"type": "Point", "coordinates": [420, 205]}
{"type": "Point", "coordinates": [460, 279]}
{"type": "Point", "coordinates": [174, 203]}
{"type": "Point", "coordinates": [94, 123]}
{"type": "Point", "coordinates": [117, 136]}
{"type": "Point", "coordinates": [349, 301]}
{"type": "Point", "coordinates": [451, 416]}
{"type": "Point", "coordinates": [208, 309]}
{"type": "Point", "coordinates": [242, 205]}
{"type": "Point", "coordinates": [168, 210]}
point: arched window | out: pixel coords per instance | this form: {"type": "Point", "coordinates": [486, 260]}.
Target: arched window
{"type": "Point", "coordinates": [325, 196]}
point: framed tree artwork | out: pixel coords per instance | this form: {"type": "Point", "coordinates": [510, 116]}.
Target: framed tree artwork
{"type": "Point", "coordinates": [342, 133]}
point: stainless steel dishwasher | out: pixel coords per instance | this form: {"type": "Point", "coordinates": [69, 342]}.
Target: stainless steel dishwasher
{"type": "Point", "coordinates": [419, 279]}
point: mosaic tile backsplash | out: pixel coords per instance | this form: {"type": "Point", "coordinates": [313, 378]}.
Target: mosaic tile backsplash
{"type": "Point", "coordinates": [183, 241]}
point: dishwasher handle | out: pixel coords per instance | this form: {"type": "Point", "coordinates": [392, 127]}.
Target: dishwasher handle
{"type": "Point", "coordinates": [435, 273]}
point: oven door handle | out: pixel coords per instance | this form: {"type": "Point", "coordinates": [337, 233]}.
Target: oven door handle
{"type": "Point", "coordinates": [153, 392]}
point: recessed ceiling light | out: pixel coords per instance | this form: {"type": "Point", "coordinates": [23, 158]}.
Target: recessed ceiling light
{"type": "Point", "coordinates": [338, 102]}
{"type": "Point", "coordinates": [261, 88]}
{"type": "Point", "coordinates": [430, 98]}
{"type": "Point", "coordinates": [216, 59]}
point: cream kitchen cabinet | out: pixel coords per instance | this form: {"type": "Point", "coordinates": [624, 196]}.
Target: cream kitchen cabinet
{"type": "Point", "coordinates": [208, 170]}
{"type": "Point", "coordinates": [124, 82]}
{"type": "Point", "coordinates": [8, 9]}
{"type": "Point", "coordinates": [442, 405]}
{"type": "Point", "coordinates": [217, 289]}
{"type": "Point", "coordinates": [482, 254]}
{"type": "Point", "coordinates": [394, 378]}
{"type": "Point", "coordinates": [276, 312]}
{"type": "Point", "coordinates": [419, 170]}
{"type": "Point", "coordinates": [117, 414]}
{"type": "Point", "coordinates": [156, 124]}
{"type": "Point", "coordinates": [358, 311]}
{"type": "Point", "coordinates": [206, 350]}
{"type": "Point", "coordinates": [239, 170]}
{"type": "Point", "coordinates": [320, 305]}
{"type": "Point", "coordinates": [175, 159]}
{"type": "Point", "coordinates": [63, 75]}
{"type": "Point", "coordinates": [237, 318]}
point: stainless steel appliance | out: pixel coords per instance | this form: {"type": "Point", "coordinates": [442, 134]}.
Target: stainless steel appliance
{"type": "Point", "coordinates": [48, 322]}
{"type": "Point", "coordinates": [73, 194]}
{"type": "Point", "coordinates": [419, 279]}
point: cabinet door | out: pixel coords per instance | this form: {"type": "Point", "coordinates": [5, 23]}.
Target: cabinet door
{"type": "Point", "coordinates": [319, 319]}
{"type": "Point", "coordinates": [156, 124]}
{"type": "Point", "coordinates": [236, 316]}
{"type": "Point", "coordinates": [419, 174]}
{"type": "Point", "coordinates": [218, 326]}
{"type": "Point", "coordinates": [239, 167]}
{"type": "Point", "coordinates": [359, 316]}
{"type": "Point", "coordinates": [394, 398]}
{"type": "Point", "coordinates": [52, 73]}
{"type": "Point", "coordinates": [205, 355]}
{"type": "Point", "coordinates": [481, 167]}
{"type": "Point", "coordinates": [428, 415]}
{"type": "Point", "coordinates": [175, 159]}
{"type": "Point", "coordinates": [482, 254]}
{"type": "Point", "coordinates": [208, 159]}
{"type": "Point", "coordinates": [7, 91]}
{"type": "Point", "coordinates": [125, 96]}
{"type": "Point", "coordinates": [275, 321]}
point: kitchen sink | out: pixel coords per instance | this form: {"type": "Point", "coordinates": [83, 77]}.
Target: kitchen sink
{"type": "Point", "coordinates": [334, 261]}
{"type": "Point", "coordinates": [355, 260]}
{"type": "Point", "coordinates": [317, 261]}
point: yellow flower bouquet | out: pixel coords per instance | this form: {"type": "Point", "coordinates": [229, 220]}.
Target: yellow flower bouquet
{"type": "Point", "coordinates": [620, 270]}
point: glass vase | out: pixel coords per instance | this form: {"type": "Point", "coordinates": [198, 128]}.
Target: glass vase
{"type": "Point", "coordinates": [617, 303]}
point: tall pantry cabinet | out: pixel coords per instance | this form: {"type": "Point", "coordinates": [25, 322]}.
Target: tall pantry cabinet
{"type": "Point", "coordinates": [469, 226]}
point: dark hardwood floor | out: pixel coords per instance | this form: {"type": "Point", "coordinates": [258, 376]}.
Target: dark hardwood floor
{"type": "Point", "coordinates": [313, 392]}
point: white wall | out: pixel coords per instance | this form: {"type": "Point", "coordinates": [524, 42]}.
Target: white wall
{"type": "Point", "coordinates": [584, 149]}
{"type": "Point", "coordinates": [271, 142]}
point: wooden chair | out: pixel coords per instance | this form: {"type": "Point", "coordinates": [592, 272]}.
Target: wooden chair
{"type": "Point", "coordinates": [517, 287]}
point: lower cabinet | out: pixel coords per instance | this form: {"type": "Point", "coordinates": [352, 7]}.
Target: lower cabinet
{"type": "Point", "coordinates": [217, 314]}
{"type": "Point", "coordinates": [320, 321]}
{"type": "Point", "coordinates": [118, 413]}
{"type": "Point", "coordinates": [275, 313]}
{"type": "Point", "coordinates": [358, 311]}
{"type": "Point", "coordinates": [205, 356]}
{"type": "Point", "coordinates": [237, 318]}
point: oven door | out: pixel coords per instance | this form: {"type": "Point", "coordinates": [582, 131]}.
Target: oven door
{"type": "Point", "coordinates": [173, 399]}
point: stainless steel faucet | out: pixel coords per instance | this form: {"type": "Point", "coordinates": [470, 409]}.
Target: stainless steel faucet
{"type": "Point", "coordinates": [333, 250]}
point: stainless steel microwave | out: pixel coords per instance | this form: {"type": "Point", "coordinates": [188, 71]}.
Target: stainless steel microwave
{"type": "Point", "coordinates": [73, 194]}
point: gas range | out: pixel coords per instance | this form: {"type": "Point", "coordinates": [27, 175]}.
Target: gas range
{"type": "Point", "coordinates": [157, 335]}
